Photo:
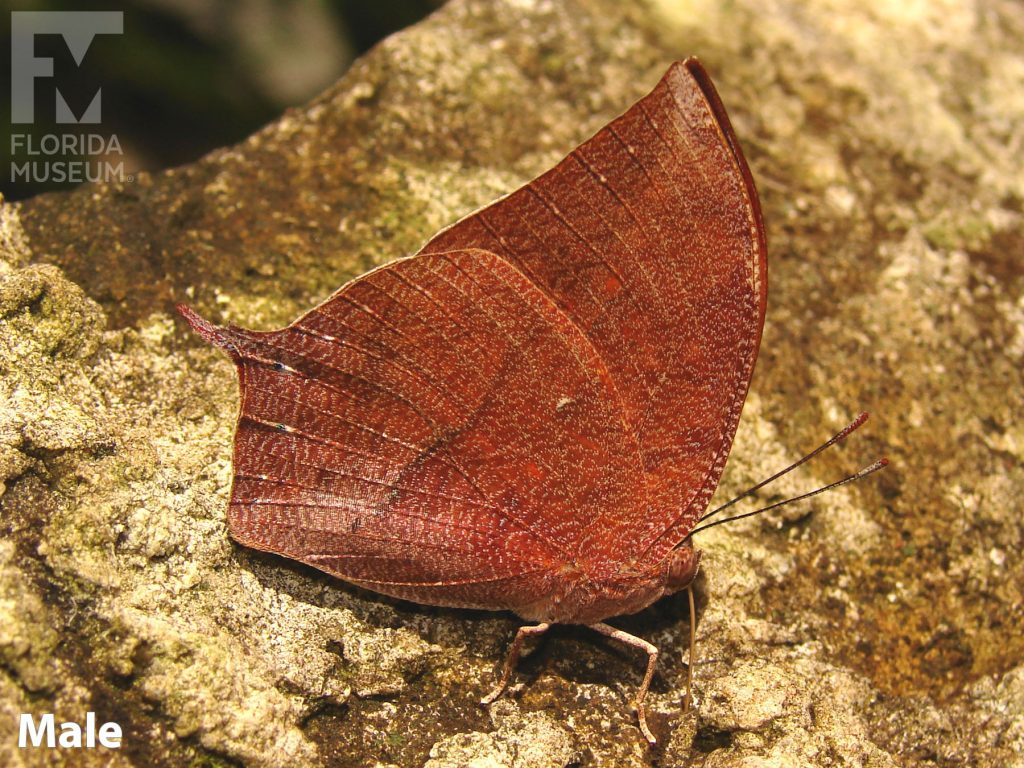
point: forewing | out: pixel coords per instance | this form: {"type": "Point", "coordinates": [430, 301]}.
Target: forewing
{"type": "Point", "coordinates": [649, 238]}
{"type": "Point", "coordinates": [437, 430]}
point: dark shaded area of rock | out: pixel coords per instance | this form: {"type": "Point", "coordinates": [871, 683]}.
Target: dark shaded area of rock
{"type": "Point", "coordinates": [881, 625]}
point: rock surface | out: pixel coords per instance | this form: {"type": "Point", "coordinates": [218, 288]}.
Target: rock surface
{"type": "Point", "coordinates": [881, 625]}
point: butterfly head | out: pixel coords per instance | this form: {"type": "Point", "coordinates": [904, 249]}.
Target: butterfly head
{"type": "Point", "coordinates": [681, 567]}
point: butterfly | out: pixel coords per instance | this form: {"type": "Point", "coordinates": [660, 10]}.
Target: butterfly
{"type": "Point", "coordinates": [532, 412]}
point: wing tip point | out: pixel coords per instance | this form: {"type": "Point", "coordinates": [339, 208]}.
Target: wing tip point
{"type": "Point", "coordinates": [210, 333]}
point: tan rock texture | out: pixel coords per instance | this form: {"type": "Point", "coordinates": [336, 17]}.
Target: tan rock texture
{"type": "Point", "coordinates": [881, 625]}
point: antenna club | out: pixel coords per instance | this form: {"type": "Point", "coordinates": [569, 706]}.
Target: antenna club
{"type": "Point", "coordinates": [853, 426]}
{"type": "Point", "coordinates": [880, 464]}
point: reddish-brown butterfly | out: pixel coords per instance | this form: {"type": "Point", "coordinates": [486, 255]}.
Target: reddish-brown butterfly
{"type": "Point", "coordinates": [532, 412]}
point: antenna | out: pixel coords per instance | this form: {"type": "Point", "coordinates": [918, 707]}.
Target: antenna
{"type": "Point", "coordinates": [856, 476]}
{"type": "Point", "coordinates": [836, 438]}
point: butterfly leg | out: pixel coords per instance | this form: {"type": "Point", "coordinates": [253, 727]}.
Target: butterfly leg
{"type": "Point", "coordinates": [652, 660]}
{"type": "Point", "coordinates": [513, 658]}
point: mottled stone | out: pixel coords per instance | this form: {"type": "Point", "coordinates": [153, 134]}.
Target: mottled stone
{"type": "Point", "coordinates": [879, 625]}
{"type": "Point", "coordinates": [532, 740]}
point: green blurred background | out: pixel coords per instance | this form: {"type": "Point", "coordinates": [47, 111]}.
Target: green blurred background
{"type": "Point", "coordinates": [187, 76]}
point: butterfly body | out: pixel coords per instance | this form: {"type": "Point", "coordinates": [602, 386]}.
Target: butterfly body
{"type": "Point", "coordinates": [582, 599]}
